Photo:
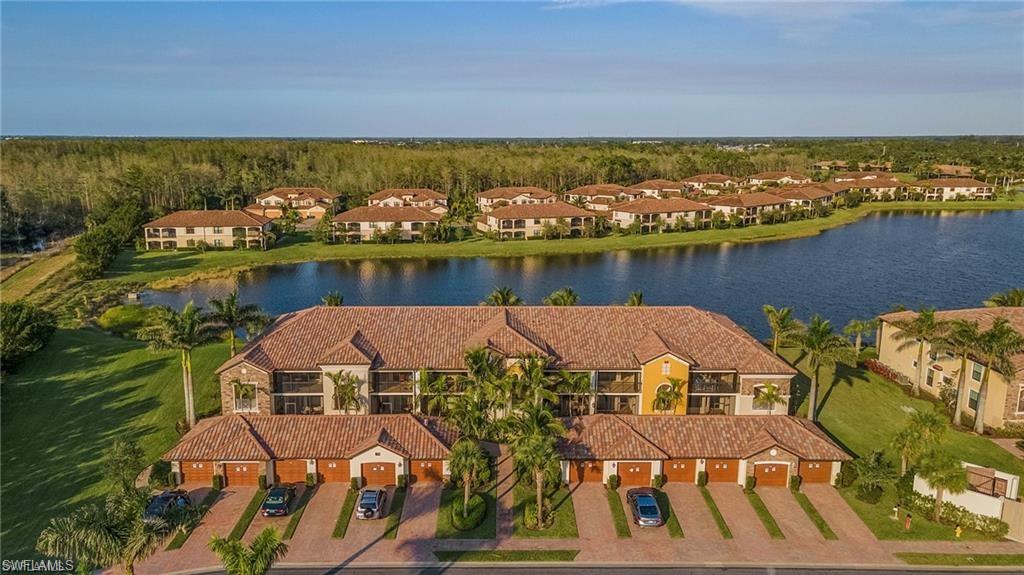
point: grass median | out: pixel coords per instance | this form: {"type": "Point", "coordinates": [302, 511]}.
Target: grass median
{"type": "Point", "coordinates": [242, 525]}
{"type": "Point", "coordinates": [300, 508]}
{"type": "Point", "coordinates": [723, 527]}
{"type": "Point", "coordinates": [962, 559]}
{"type": "Point", "coordinates": [815, 516]}
{"type": "Point", "coordinates": [564, 524]}
{"type": "Point", "coordinates": [507, 555]}
{"type": "Point", "coordinates": [487, 529]}
{"type": "Point", "coordinates": [395, 513]}
{"type": "Point", "coordinates": [181, 537]}
{"type": "Point", "coordinates": [618, 514]}
{"type": "Point", "coordinates": [770, 525]}
{"type": "Point", "coordinates": [345, 516]}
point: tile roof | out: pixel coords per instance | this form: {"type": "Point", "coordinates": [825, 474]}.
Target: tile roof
{"type": "Point", "coordinates": [315, 193]}
{"type": "Point", "coordinates": [263, 437]}
{"type": "Point", "coordinates": [803, 192]}
{"type": "Point", "coordinates": [952, 183]}
{"type": "Point", "coordinates": [208, 219]}
{"type": "Point", "coordinates": [710, 179]}
{"type": "Point", "coordinates": [658, 184]}
{"type": "Point", "coordinates": [387, 214]}
{"type": "Point", "coordinates": [550, 210]}
{"type": "Point", "coordinates": [592, 190]}
{"type": "Point", "coordinates": [750, 200]}
{"type": "Point", "coordinates": [575, 337]}
{"type": "Point", "coordinates": [660, 206]}
{"type": "Point", "coordinates": [951, 170]}
{"type": "Point", "coordinates": [418, 194]}
{"type": "Point", "coordinates": [861, 175]}
{"type": "Point", "coordinates": [770, 176]}
{"type": "Point", "coordinates": [877, 183]}
{"type": "Point", "coordinates": [508, 193]}
{"type": "Point", "coordinates": [985, 316]}
{"type": "Point", "coordinates": [694, 436]}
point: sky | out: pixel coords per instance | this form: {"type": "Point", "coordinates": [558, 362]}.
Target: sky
{"type": "Point", "coordinates": [569, 68]}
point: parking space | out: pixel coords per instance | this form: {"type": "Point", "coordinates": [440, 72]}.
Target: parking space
{"type": "Point", "coordinates": [789, 515]}
{"type": "Point", "coordinates": [364, 532]}
{"type": "Point", "coordinates": [738, 513]}
{"type": "Point", "coordinates": [593, 518]}
{"type": "Point", "coordinates": [259, 523]}
{"type": "Point", "coordinates": [419, 516]}
{"type": "Point", "coordinates": [694, 516]}
{"type": "Point", "coordinates": [652, 534]}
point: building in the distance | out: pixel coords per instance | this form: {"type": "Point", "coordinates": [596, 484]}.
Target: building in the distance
{"type": "Point", "coordinates": [307, 202]}
{"type": "Point", "coordinates": [385, 223]}
{"type": "Point", "coordinates": [416, 197]}
{"type": "Point", "coordinates": [526, 221]}
{"type": "Point", "coordinates": [207, 228]}
{"type": "Point", "coordinates": [513, 196]}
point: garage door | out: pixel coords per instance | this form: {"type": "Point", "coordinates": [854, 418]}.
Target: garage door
{"type": "Point", "coordinates": [427, 470]}
{"type": "Point", "coordinates": [236, 474]}
{"type": "Point", "coordinates": [290, 471]}
{"type": "Point", "coordinates": [634, 473]}
{"type": "Point", "coordinates": [200, 472]}
{"type": "Point", "coordinates": [771, 474]}
{"type": "Point", "coordinates": [586, 471]}
{"type": "Point", "coordinates": [720, 470]}
{"type": "Point", "coordinates": [681, 470]}
{"type": "Point", "coordinates": [816, 471]}
{"type": "Point", "coordinates": [378, 473]}
{"type": "Point", "coordinates": [333, 470]}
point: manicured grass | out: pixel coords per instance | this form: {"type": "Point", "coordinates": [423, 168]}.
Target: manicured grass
{"type": "Point", "coordinates": [488, 528]}
{"type": "Point", "coordinates": [879, 519]}
{"type": "Point", "coordinates": [65, 405]}
{"type": "Point", "coordinates": [300, 508]}
{"type": "Point", "coordinates": [248, 514]}
{"type": "Point", "coordinates": [510, 555]}
{"type": "Point", "coordinates": [618, 514]}
{"type": "Point", "coordinates": [395, 514]}
{"type": "Point", "coordinates": [27, 279]}
{"type": "Point", "coordinates": [723, 527]}
{"type": "Point", "coordinates": [671, 521]}
{"type": "Point", "coordinates": [165, 270]}
{"type": "Point", "coordinates": [564, 525]}
{"type": "Point", "coordinates": [765, 516]}
{"type": "Point", "coordinates": [961, 559]}
{"type": "Point", "coordinates": [181, 537]}
{"type": "Point", "coordinates": [345, 516]}
{"type": "Point", "coordinates": [814, 516]}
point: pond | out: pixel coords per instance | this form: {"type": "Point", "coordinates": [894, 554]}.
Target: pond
{"type": "Point", "coordinates": [940, 259]}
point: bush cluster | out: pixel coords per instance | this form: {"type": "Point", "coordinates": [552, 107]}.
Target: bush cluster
{"type": "Point", "coordinates": [24, 329]}
{"type": "Point", "coordinates": [530, 516]}
{"type": "Point", "coordinates": [613, 482]}
{"type": "Point", "coordinates": [749, 483]}
{"type": "Point", "coordinates": [702, 478]}
{"type": "Point", "coordinates": [477, 512]}
{"type": "Point", "coordinates": [955, 515]}
{"type": "Point", "coordinates": [794, 482]}
{"type": "Point", "coordinates": [847, 476]}
{"type": "Point", "coordinates": [659, 481]}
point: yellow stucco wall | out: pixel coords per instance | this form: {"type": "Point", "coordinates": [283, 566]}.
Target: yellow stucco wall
{"type": "Point", "coordinates": [653, 376]}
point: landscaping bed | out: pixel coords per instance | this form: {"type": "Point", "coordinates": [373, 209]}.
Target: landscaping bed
{"type": "Point", "coordinates": [486, 529]}
{"type": "Point", "coordinates": [564, 521]}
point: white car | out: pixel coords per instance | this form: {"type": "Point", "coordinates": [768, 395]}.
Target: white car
{"type": "Point", "coordinates": [371, 504]}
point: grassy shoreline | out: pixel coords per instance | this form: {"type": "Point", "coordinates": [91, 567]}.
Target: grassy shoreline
{"type": "Point", "coordinates": [170, 270]}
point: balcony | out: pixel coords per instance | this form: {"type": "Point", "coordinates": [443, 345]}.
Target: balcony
{"type": "Point", "coordinates": [298, 382]}
{"type": "Point", "coordinates": [391, 382]}
{"type": "Point", "coordinates": [618, 382]}
{"type": "Point", "coordinates": [299, 405]}
{"type": "Point", "coordinates": [714, 383]}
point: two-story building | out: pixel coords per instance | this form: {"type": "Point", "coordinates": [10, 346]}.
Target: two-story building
{"type": "Point", "coordinates": [711, 184]}
{"type": "Point", "coordinates": [657, 214]}
{"type": "Point", "coordinates": [307, 202]}
{"type": "Point", "coordinates": [416, 197]}
{"type": "Point", "coordinates": [513, 196]}
{"type": "Point", "coordinates": [950, 189]}
{"type": "Point", "coordinates": [207, 228]}
{"type": "Point", "coordinates": [660, 188]}
{"type": "Point", "coordinates": [600, 197]}
{"type": "Point", "coordinates": [806, 195]}
{"type": "Point", "coordinates": [374, 222]}
{"type": "Point", "coordinates": [525, 221]}
{"type": "Point", "coordinates": [782, 178]}
{"type": "Point", "coordinates": [748, 206]}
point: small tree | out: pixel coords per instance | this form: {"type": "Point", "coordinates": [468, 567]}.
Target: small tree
{"type": "Point", "coordinates": [669, 395]}
{"type": "Point", "coordinates": [874, 474]}
{"type": "Point", "coordinates": [1010, 298]}
{"type": "Point", "coordinates": [636, 299]}
{"type": "Point", "coordinates": [502, 297]}
{"type": "Point", "coordinates": [858, 328]}
{"type": "Point", "coordinates": [254, 559]}
{"type": "Point", "coordinates": [536, 458]}
{"type": "Point", "coordinates": [333, 299]}
{"type": "Point", "coordinates": [770, 396]}
{"type": "Point", "coordinates": [562, 297]}
{"type": "Point", "coordinates": [945, 474]}
{"type": "Point", "coordinates": [913, 332]}
{"type": "Point", "coordinates": [122, 463]}
{"type": "Point", "coordinates": [468, 463]}
{"type": "Point", "coordinates": [24, 329]}
{"type": "Point", "coordinates": [785, 328]}
{"type": "Point", "coordinates": [346, 390]}
{"type": "Point", "coordinates": [233, 316]}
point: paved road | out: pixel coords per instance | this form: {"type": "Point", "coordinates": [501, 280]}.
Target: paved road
{"type": "Point", "coordinates": [617, 570]}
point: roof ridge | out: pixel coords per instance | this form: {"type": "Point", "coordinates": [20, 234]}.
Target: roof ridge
{"type": "Point", "coordinates": [639, 435]}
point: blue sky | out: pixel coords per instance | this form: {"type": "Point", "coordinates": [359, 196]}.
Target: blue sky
{"type": "Point", "coordinates": [573, 68]}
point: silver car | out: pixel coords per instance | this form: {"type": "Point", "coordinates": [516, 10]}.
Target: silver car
{"type": "Point", "coordinates": [644, 506]}
{"type": "Point", "coordinates": [372, 503]}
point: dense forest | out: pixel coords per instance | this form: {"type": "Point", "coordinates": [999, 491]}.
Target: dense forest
{"type": "Point", "coordinates": [53, 188]}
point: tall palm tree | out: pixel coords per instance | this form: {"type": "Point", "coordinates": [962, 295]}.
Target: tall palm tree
{"type": "Point", "coordinates": [233, 316]}
{"type": "Point", "coordinates": [470, 415]}
{"type": "Point", "coordinates": [482, 364]}
{"type": "Point", "coordinates": [1009, 298]}
{"type": "Point", "coordinates": [824, 349]}
{"type": "Point", "coordinates": [930, 424]}
{"type": "Point", "coordinates": [962, 339]}
{"type": "Point", "coordinates": [184, 332]}
{"type": "Point", "coordinates": [997, 345]}
{"type": "Point", "coordinates": [945, 474]}
{"type": "Point", "coordinates": [785, 328]}
{"type": "Point", "coordinates": [636, 298]}
{"type": "Point", "coordinates": [254, 559]}
{"type": "Point", "coordinates": [346, 390]}
{"type": "Point", "coordinates": [858, 328]}
{"type": "Point", "coordinates": [913, 332]}
{"type": "Point", "coordinates": [503, 296]}
{"type": "Point", "coordinates": [535, 381]}
{"type": "Point", "coordinates": [469, 463]}
{"type": "Point", "coordinates": [563, 297]}
{"type": "Point", "coordinates": [769, 395]}
{"type": "Point", "coordinates": [536, 458]}
{"type": "Point", "coordinates": [667, 397]}
{"type": "Point", "coordinates": [533, 421]}
{"type": "Point", "coordinates": [435, 387]}
{"type": "Point", "coordinates": [907, 443]}
{"type": "Point", "coordinates": [576, 384]}
{"type": "Point", "coordinates": [333, 299]}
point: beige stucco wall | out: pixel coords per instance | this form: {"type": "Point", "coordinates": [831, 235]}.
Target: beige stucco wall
{"type": "Point", "coordinates": [366, 229]}
{"type": "Point", "coordinates": [181, 239]}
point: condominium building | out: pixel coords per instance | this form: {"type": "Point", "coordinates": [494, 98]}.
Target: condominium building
{"type": "Point", "coordinates": [525, 221]}
{"type": "Point", "coordinates": [657, 214]}
{"type": "Point", "coordinates": [207, 228]}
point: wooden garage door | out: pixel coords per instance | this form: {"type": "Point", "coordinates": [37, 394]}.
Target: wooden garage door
{"type": "Point", "coordinates": [247, 473]}
{"type": "Point", "coordinates": [816, 471]}
{"type": "Point", "coordinates": [333, 470]}
{"type": "Point", "coordinates": [427, 470]}
{"type": "Point", "coordinates": [771, 474]}
{"type": "Point", "coordinates": [197, 472]}
{"type": "Point", "coordinates": [586, 471]}
{"type": "Point", "coordinates": [681, 470]}
{"type": "Point", "coordinates": [720, 470]}
{"type": "Point", "coordinates": [634, 473]}
{"type": "Point", "coordinates": [290, 471]}
{"type": "Point", "coordinates": [378, 473]}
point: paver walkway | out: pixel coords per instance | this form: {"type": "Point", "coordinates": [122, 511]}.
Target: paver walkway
{"type": "Point", "coordinates": [693, 514]}
{"type": "Point", "coordinates": [791, 518]}
{"type": "Point", "coordinates": [738, 513]}
{"type": "Point", "coordinates": [419, 519]}
{"type": "Point", "coordinates": [846, 525]}
{"type": "Point", "coordinates": [507, 480]}
{"type": "Point", "coordinates": [953, 546]}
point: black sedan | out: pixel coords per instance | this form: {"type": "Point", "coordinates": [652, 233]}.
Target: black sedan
{"type": "Point", "coordinates": [160, 505]}
{"type": "Point", "coordinates": [278, 501]}
{"type": "Point", "coordinates": [644, 506]}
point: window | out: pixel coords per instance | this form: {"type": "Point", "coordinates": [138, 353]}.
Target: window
{"type": "Point", "coordinates": [618, 382]}
{"type": "Point", "coordinates": [218, 243]}
{"type": "Point", "coordinates": [298, 382]}
{"type": "Point", "coordinates": [914, 363]}
{"type": "Point", "coordinates": [190, 230]}
{"type": "Point", "coordinates": [666, 368]}
{"type": "Point", "coordinates": [391, 382]}
{"type": "Point", "coordinates": [976, 372]}
{"type": "Point", "coordinates": [1020, 399]}
{"type": "Point", "coordinates": [190, 243]}
{"type": "Point", "coordinates": [299, 405]}
{"type": "Point", "coordinates": [932, 356]}
{"type": "Point", "coordinates": [245, 397]}
{"type": "Point", "coordinates": [930, 381]}
{"type": "Point", "coordinates": [972, 401]}
{"type": "Point", "coordinates": [218, 230]}
{"type": "Point", "coordinates": [626, 404]}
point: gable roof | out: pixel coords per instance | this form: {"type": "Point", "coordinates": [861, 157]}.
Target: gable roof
{"type": "Point", "coordinates": [876, 183]}
{"type": "Point", "coordinates": [283, 192]}
{"type": "Point", "coordinates": [549, 210]}
{"type": "Point", "coordinates": [387, 214]}
{"type": "Point", "coordinates": [507, 193]}
{"type": "Point", "coordinates": [952, 183]}
{"type": "Point", "coordinates": [418, 194]}
{"type": "Point", "coordinates": [208, 219]}
{"type": "Point", "coordinates": [751, 200]}
{"type": "Point", "coordinates": [658, 184]}
{"type": "Point", "coordinates": [803, 192]}
{"type": "Point", "coordinates": [659, 205]}
{"type": "Point", "coordinates": [593, 190]}
{"type": "Point", "coordinates": [770, 176]}
{"type": "Point", "coordinates": [605, 436]}
{"type": "Point", "coordinates": [710, 179]}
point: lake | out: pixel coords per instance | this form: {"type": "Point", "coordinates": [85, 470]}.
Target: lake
{"type": "Point", "coordinates": [940, 259]}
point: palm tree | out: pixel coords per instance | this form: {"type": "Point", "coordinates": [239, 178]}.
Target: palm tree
{"type": "Point", "coordinates": [1009, 298]}
{"type": "Point", "coordinates": [346, 390]}
{"type": "Point", "coordinates": [930, 424]}
{"type": "Point", "coordinates": [997, 345]}
{"type": "Point", "coordinates": [435, 388]}
{"type": "Point", "coordinates": [254, 559]}
{"type": "Point", "coordinates": [333, 299]}
{"type": "Point", "coordinates": [468, 462]}
{"type": "Point", "coordinates": [534, 381]}
{"type": "Point", "coordinates": [636, 298]}
{"type": "Point", "coordinates": [858, 328]}
{"type": "Point", "coordinates": [233, 316]}
{"type": "Point", "coordinates": [785, 328]}
{"type": "Point", "coordinates": [944, 472]}
{"type": "Point", "coordinates": [483, 365]}
{"type": "Point", "coordinates": [470, 415]}
{"type": "Point", "coordinates": [535, 457]}
{"type": "Point", "coordinates": [184, 332]}
{"type": "Point", "coordinates": [503, 296]}
{"type": "Point", "coordinates": [824, 349]}
{"type": "Point", "coordinates": [533, 421]}
{"type": "Point", "coordinates": [562, 297]}
{"type": "Point", "coordinates": [962, 340]}
{"type": "Point", "coordinates": [907, 444]}
{"type": "Point", "coordinates": [874, 473]}
{"type": "Point", "coordinates": [669, 395]}
{"type": "Point", "coordinates": [914, 332]}
{"type": "Point", "coordinates": [769, 395]}
{"type": "Point", "coordinates": [576, 384]}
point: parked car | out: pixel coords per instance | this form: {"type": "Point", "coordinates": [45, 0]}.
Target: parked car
{"type": "Point", "coordinates": [371, 504]}
{"type": "Point", "coordinates": [278, 501]}
{"type": "Point", "coordinates": [644, 506]}
{"type": "Point", "coordinates": [159, 505]}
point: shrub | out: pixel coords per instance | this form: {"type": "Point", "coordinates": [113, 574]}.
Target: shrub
{"type": "Point", "coordinates": [24, 329]}
{"type": "Point", "coordinates": [847, 475]}
{"type": "Point", "coordinates": [905, 486]}
{"type": "Point", "coordinates": [356, 483]}
{"type": "Point", "coordinates": [869, 493]}
{"type": "Point", "coordinates": [477, 512]}
{"type": "Point", "coordinates": [172, 479]}
{"type": "Point", "coordinates": [403, 481]}
{"type": "Point", "coordinates": [750, 483]}
{"type": "Point", "coordinates": [887, 372]}
{"type": "Point", "coordinates": [659, 481]}
{"type": "Point", "coordinates": [530, 516]}
{"type": "Point", "coordinates": [218, 481]}
{"type": "Point", "coordinates": [310, 479]}
{"type": "Point", "coordinates": [702, 478]}
{"type": "Point", "coordinates": [126, 320]}
{"type": "Point", "coordinates": [160, 474]}
{"type": "Point", "coordinates": [613, 482]}
{"type": "Point", "coordinates": [956, 515]}
{"type": "Point", "coordinates": [794, 482]}
{"type": "Point", "coordinates": [263, 480]}
{"type": "Point", "coordinates": [1011, 430]}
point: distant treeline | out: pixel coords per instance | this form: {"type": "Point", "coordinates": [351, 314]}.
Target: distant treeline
{"type": "Point", "coordinates": [54, 187]}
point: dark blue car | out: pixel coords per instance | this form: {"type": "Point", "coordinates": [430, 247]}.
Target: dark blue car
{"type": "Point", "coordinates": [278, 501]}
{"type": "Point", "coordinates": [644, 506]}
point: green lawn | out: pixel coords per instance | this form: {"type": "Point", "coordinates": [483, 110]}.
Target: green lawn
{"type": "Point", "coordinates": [880, 520]}
{"type": "Point", "coordinates": [961, 559]}
{"type": "Point", "coordinates": [28, 278]}
{"type": "Point", "coordinates": [815, 516]}
{"type": "Point", "coordinates": [564, 526]}
{"type": "Point", "coordinates": [618, 514]}
{"type": "Point", "coordinates": [345, 516]}
{"type": "Point", "coordinates": [671, 520]}
{"type": "Point", "coordinates": [488, 528]}
{"type": "Point", "coordinates": [716, 514]}
{"type": "Point", "coordinates": [395, 514]}
{"type": "Point", "coordinates": [65, 405]}
{"type": "Point", "coordinates": [770, 525]}
{"type": "Point", "coordinates": [248, 514]}
{"type": "Point", "coordinates": [510, 555]}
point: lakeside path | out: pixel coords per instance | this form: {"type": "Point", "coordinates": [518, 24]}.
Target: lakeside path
{"type": "Point", "coordinates": [168, 270]}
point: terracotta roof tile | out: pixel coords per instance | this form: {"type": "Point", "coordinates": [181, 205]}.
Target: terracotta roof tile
{"type": "Point", "coordinates": [710, 179]}
{"type": "Point", "coordinates": [208, 219]}
{"type": "Point", "coordinates": [283, 192]}
{"type": "Point", "coordinates": [508, 193]}
{"type": "Point", "coordinates": [418, 194]}
{"type": "Point", "coordinates": [387, 214]}
{"type": "Point", "coordinates": [660, 206]}
{"type": "Point", "coordinates": [952, 183]}
{"type": "Point", "coordinates": [750, 200]}
{"type": "Point", "coordinates": [803, 192]}
{"type": "Point", "coordinates": [985, 316]}
{"type": "Point", "coordinates": [658, 184]}
{"type": "Point", "coordinates": [551, 210]}
{"type": "Point", "coordinates": [772, 176]}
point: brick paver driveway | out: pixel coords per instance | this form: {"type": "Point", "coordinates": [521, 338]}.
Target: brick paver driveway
{"type": "Point", "coordinates": [419, 520]}
{"type": "Point", "coordinates": [738, 514]}
{"type": "Point", "coordinates": [860, 544]}
{"type": "Point", "coordinates": [259, 523]}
